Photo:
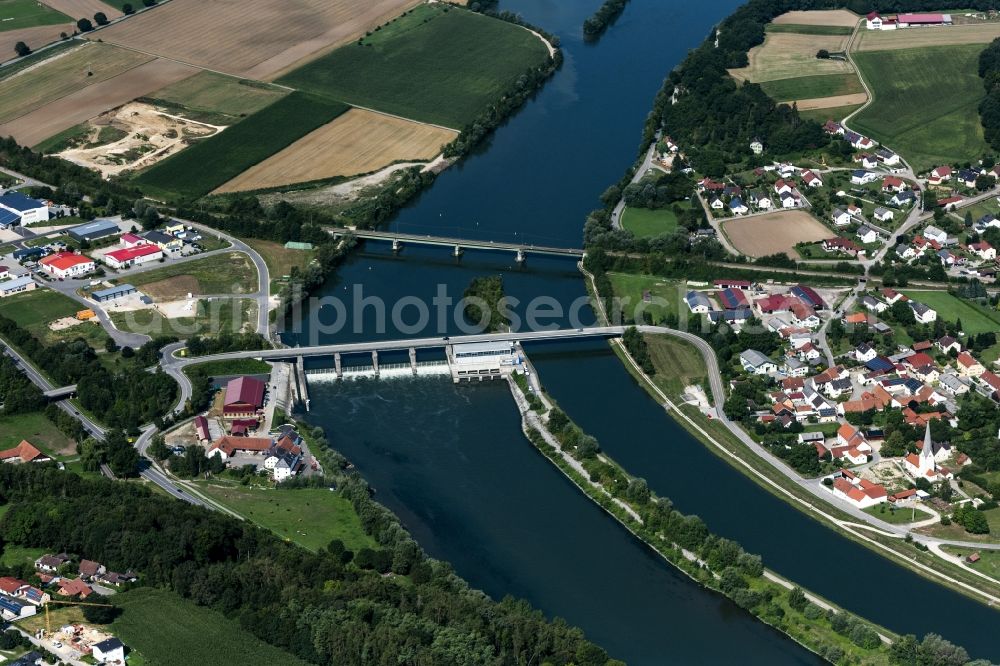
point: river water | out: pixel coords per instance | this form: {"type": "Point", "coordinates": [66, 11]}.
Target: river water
{"type": "Point", "coordinates": [451, 460]}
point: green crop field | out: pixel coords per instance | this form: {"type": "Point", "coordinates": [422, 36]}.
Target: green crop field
{"type": "Point", "coordinates": [311, 517]}
{"type": "Point", "coordinates": [975, 318]}
{"type": "Point", "coordinates": [803, 29]}
{"type": "Point", "coordinates": [199, 169]}
{"type": "Point", "coordinates": [832, 113]}
{"type": "Point", "coordinates": [17, 14]}
{"type": "Point", "coordinates": [167, 630]}
{"type": "Point", "coordinates": [925, 104]}
{"type": "Point", "coordinates": [438, 64]}
{"type": "Point", "coordinates": [647, 222]}
{"type": "Point", "coordinates": [207, 95]}
{"type": "Point", "coordinates": [809, 87]}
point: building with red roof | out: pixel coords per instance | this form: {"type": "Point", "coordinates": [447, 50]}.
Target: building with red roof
{"type": "Point", "coordinates": [67, 264]}
{"type": "Point", "coordinates": [25, 452]}
{"type": "Point", "coordinates": [227, 446]}
{"type": "Point", "coordinates": [133, 256]}
{"type": "Point", "coordinates": [244, 397]}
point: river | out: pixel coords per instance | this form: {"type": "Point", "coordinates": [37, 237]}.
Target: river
{"type": "Point", "coordinates": [451, 460]}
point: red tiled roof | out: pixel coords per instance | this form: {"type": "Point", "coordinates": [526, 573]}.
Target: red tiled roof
{"type": "Point", "coordinates": [230, 445]}
{"type": "Point", "coordinates": [65, 260]}
{"type": "Point", "coordinates": [26, 451]}
{"type": "Point", "coordinates": [10, 585]}
{"type": "Point", "coordinates": [245, 391]}
{"type": "Point", "coordinates": [130, 253]}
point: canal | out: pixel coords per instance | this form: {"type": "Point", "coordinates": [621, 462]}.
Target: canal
{"type": "Point", "coordinates": [451, 460]}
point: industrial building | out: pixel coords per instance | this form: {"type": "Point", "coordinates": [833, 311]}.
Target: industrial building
{"type": "Point", "coordinates": [482, 360]}
{"type": "Point", "coordinates": [92, 231]}
{"type": "Point", "coordinates": [120, 291]}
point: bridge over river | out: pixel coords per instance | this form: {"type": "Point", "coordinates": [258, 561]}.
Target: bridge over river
{"type": "Point", "coordinates": [458, 245]}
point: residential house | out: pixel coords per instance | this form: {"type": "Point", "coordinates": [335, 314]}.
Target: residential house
{"type": "Point", "coordinates": [757, 363]}
{"type": "Point", "coordinates": [737, 207]}
{"type": "Point", "coordinates": [840, 217]}
{"type": "Point", "coordinates": [74, 587]}
{"type": "Point", "coordinates": [935, 234]}
{"type": "Point", "coordinates": [108, 651]}
{"type": "Point", "coordinates": [25, 452]}
{"type": "Point", "coordinates": [905, 198]}
{"type": "Point", "coordinates": [715, 203]}
{"type": "Point", "coordinates": [863, 177]}
{"type": "Point", "coordinates": [954, 383]}
{"type": "Point", "coordinates": [887, 157]}
{"type": "Point", "coordinates": [922, 313]}
{"type": "Point", "coordinates": [810, 179]}
{"type": "Point", "coordinates": [873, 304]}
{"type": "Point", "coordinates": [893, 184]}
{"type": "Point", "coordinates": [795, 368]}
{"type": "Point", "coordinates": [967, 177]}
{"type": "Point", "coordinates": [51, 563]}
{"type": "Point", "coordinates": [983, 250]}
{"type": "Point", "coordinates": [867, 161]}
{"type": "Point", "coordinates": [89, 569]}
{"type": "Point", "coordinates": [941, 174]}
{"type": "Point", "coordinates": [789, 200]}
{"type": "Point", "coordinates": [868, 235]}
{"type": "Point", "coordinates": [947, 344]}
{"type": "Point", "coordinates": [228, 446]}
{"type": "Point", "coordinates": [760, 199]}
{"type": "Point", "coordinates": [906, 252]}
{"type": "Point", "coordinates": [968, 366]}
{"type": "Point", "coordinates": [838, 244]}
{"type": "Point", "coordinates": [864, 353]}
{"type": "Point", "coordinates": [883, 214]}
{"type": "Point", "coordinates": [833, 127]}
{"type": "Point", "coordinates": [698, 302]}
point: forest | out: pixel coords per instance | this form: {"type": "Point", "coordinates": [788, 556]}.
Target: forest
{"type": "Point", "coordinates": [392, 605]}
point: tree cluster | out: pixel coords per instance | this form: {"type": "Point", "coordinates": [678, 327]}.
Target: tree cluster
{"type": "Point", "coordinates": [595, 25]}
{"type": "Point", "coordinates": [485, 305]}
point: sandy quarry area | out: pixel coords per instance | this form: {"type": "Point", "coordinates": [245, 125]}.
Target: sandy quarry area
{"type": "Point", "coordinates": [840, 17]}
{"type": "Point", "coordinates": [64, 323]}
{"type": "Point", "coordinates": [763, 235]}
{"type": "Point", "coordinates": [150, 135]}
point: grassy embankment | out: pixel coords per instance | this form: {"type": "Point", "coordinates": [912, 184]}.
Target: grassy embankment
{"type": "Point", "coordinates": [437, 64]}
{"type": "Point", "coordinates": [239, 366]}
{"type": "Point", "coordinates": [925, 103]}
{"type": "Point", "coordinates": [206, 165]}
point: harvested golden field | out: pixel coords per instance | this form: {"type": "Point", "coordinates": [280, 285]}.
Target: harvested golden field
{"type": "Point", "coordinates": [357, 142]}
{"type": "Point", "coordinates": [786, 55]}
{"type": "Point", "coordinates": [85, 8]}
{"type": "Point", "coordinates": [878, 40]}
{"type": "Point", "coordinates": [79, 105]}
{"type": "Point", "coordinates": [830, 102]}
{"type": "Point", "coordinates": [763, 235]}
{"type": "Point", "coordinates": [840, 17]}
{"type": "Point", "coordinates": [255, 39]}
{"type": "Point", "coordinates": [35, 37]}
{"type": "Point", "coordinates": [62, 75]}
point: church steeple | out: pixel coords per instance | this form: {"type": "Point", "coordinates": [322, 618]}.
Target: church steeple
{"type": "Point", "coordinates": [927, 453]}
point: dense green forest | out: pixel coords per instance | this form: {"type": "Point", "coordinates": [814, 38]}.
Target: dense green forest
{"type": "Point", "coordinates": [390, 605]}
{"type": "Point", "coordinates": [989, 108]}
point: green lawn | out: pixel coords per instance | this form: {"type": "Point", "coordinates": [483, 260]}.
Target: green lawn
{"type": "Point", "coordinates": [989, 560]}
{"type": "Point", "coordinates": [897, 516]}
{"type": "Point", "coordinates": [204, 166]}
{"type": "Point", "coordinates": [803, 29]}
{"type": "Point", "coordinates": [167, 630]}
{"type": "Point", "coordinates": [956, 532]}
{"type": "Point", "coordinates": [37, 308]}
{"type": "Point", "coordinates": [678, 364]}
{"type": "Point", "coordinates": [16, 555]}
{"type": "Point", "coordinates": [210, 275]}
{"type": "Point", "coordinates": [37, 429]}
{"type": "Point", "coordinates": [649, 222]}
{"type": "Point", "coordinates": [310, 517]}
{"type": "Point", "coordinates": [926, 103]}
{"type": "Point", "coordinates": [438, 64]}
{"type": "Point", "coordinates": [808, 87]}
{"type": "Point", "coordinates": [17, 14]}
{"type": "Point", "coordinates": [666, 295]}
{"type": "Point", "coordinates": [975, 318]}
{"type": "Point", "coordinates": [240, 366]}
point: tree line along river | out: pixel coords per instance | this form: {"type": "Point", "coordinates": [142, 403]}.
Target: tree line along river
{"type": "Point", "coordinates": [452, 462]}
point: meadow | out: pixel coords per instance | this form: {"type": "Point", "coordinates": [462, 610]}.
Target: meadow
{"type": "Point", "coordinates": [806, 29]}
{"type": "Point", "coordinates": [666, 296]}
{"type": "Point", "coordinates": [210, 275]}
{"type": "Point", "coordinates": [33, 310]}
{"type": "Point", "coordinates": [925, 103]}
{"type": "Point", "coordinates": [310, 517]}
{"type": "Point", "coordinates": [975, 318]}
{"type": "Point", "coordinates": [821, 115]}
{"type": "Point", "coordinates": [156, 623]}
{"type": "Point", "coordinates": [37, 429]}
{"type": "Point", "coordinates": [436, 64]}
{"type": "Point", "coordinates": [678, 364]}
{"type": "Point", "coordinates": [206, 165]}
{"type": "Point", "coordinates": [817, 85]}
{"type": "Point", "coordinates": [17, 14]}
{"type": "Point", "coordinates": [647, 222]}
{"type": "Point", "coordinates": [786, 55]}
{"type": "Point", "coordinates": [216, 98]}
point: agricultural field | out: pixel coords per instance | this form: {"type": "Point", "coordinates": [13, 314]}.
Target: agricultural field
{"type": "Point", "coordinates": [215, 98]}
{"type": "Point", "coordinates": [208, 164]}
{"type": "Point", "coordinates": [821, 115]}
{"type": "Point", "coordinates": [310, 517]}
{"type": "Point", "coordinates": [211, 275]}
{"type": "Point", "coordinates": [878, 40]}
{"type": "Point", "coordinates": [63, 75]}
{"type": "Point", "coordinates": [773, 233]}
{"type": "Point", "coordinates": [975, 318]}
{"type": "Point", "coordinates": [678, 364]}
{"type": "Point", "coordinates": [35, 37]}
{"type": "Point", "coordinates": [833, 17]}
{"type": "Point", "coordinates": [648, 223]}
{"type": "Point", "coordinates": [37, 429]}
{"type": "Point", "coordinates": [35, 309]}
{"type": "Point", "coordinates": [80, 103]}
{"type": "Point", "coordinates": [155, 622]}
{"type": "Point", "coordinates": [19, 14]}
{"type": "Point", "coordinates": [808, 87]}
{"type": "Point", "coordinates": [790, 55]}
{"type": "Point", "coordinates": [87, 8]}
{"type": "Point", "coordinates": [261, 39]}
{"type": "Point", "coordinates": [926, 103]}
{"type": "Point", "coordinates": [808, 29]}
{"type": "Point", "coordinates": [356, 142]}
{"type": "Point", "coordinates": [437, 64]}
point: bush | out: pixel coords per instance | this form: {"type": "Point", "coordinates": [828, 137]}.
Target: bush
{"type": "Point", "coordinates": [812, 612]}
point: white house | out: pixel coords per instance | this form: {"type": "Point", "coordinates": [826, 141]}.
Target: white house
{"type": "Point", "coordinates": [887, 157]}
{"type": "Point", "coordinates": [789, 200]}
{"type": "Point", "coordinates": [903, 198]}
{"type": "Point", "coordinates": [868, 235]}
{"type": "Point", "coordinates": [884, 214]}
{"type": "Point", "coordinates": [698, 302]}
{"type": "Point", "coordinates": [67, 265]}
{"type": "Point", "coordinates": [780, 187]}
{"type": "Point", "coordinates": [862, 177]}
{"type": "Point", "coordinates": [756, 363]}
{"type": "Point", "coordinates": [108, 651]}
{"type": "Point", "coordinates": [28, 209]}
{"type": "Point", "coordinates": [810, 179]}
{"type": "Point", "coordinates": [983, 250]}
{"type": "Point", "coordinates": [922, 313]}
{"type": "Point", "coordinates": [841, 218]}
{"type": "Point", "coordinates": [716, 203]}
{"type": "Point", "coordinates": [864, 353]}
{"type": "Point", "coordinates": [737, 207]}
{"type": "Point", "coordinates": [935, 234]}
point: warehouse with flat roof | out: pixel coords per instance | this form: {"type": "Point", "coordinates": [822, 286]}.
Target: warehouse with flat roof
{"type": "Point", "coordinates": [92, 231]}
{"type": "Point", "coordinates": [120, 291]}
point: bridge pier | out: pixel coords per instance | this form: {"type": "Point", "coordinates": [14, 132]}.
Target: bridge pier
{"type": "Point", "coordinates": [457, 252]}
{"type": "Point", "coordinates": [520, 256]}
{"type": "Point", "coordinates": [337, 365]}
{"type": "Point", "coordinates": [413, 360]}
{"type": "Point", "coordinates": [300, 371]}
{"type": "Point", "coordinates": [396, 245]}
{"type": "Point", "coordinates": [375, 361]}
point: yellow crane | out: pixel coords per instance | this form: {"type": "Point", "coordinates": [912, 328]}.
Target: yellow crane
{"type": "Point", "coordinates": [48, 622]}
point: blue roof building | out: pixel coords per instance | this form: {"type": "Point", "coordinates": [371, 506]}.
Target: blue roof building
{"type": "Point", "coordinates": [93, 230]}
{"type": "Point", "coordinates": [18, 202]}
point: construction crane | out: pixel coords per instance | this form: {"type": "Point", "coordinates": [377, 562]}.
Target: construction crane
{"type": "Point", "coordinates": [48, 622]}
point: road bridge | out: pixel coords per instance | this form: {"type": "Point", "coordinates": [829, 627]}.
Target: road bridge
{"type": "Point", "coordinates": [60, 393]}
{"type": "Point", "coordinates": [458, 245]}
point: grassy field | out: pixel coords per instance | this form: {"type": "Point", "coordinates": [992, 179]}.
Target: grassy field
{"type": "Point", "coordinates": [231, 273]}
{"type": "Point", "coordinates": [975, 318]}
{"type": "Point", "coordinates": [804, 29]}
{"type": "Point", "coordinates": [279, 259]}
{"type": "Point", "coordinates": [808, 87]}
{"type": "Point", "coordinates": [56, 78]}
{"type": "Point", "coordinates": [156, 622]}
{"type": "Point", "coordinates": [311, 517]}
{"type": "Point", "coordinates": [786, 55]}
{"type": "Point", "coordinates": [678, 364]}
{"type": "Point", "coordinates": [16, 555]}
{"type": "Point", "coordinates": [33, 310]}
{"type": "Point", "coordinates": [646, 222]}
{"type": "Point", "coordinates": [833, 113]}
{"type": "Point", "coordinates": [211, 318]}
{"type": "Point", "coordinates": [956, 532]}
{"type": "Point", "coordinates": [37, 429]}
{"type": "Point", "coordinates": [897, 516]}
{"type": "Point", "coordinates": [989, 562]}
{"type": "Point", "coordinates": [666, 295]}
{"type": "Point", "coordinates": [976, 33]}
{"type": "Point", "coordinates": [437, 64]}
{"type": "Point", "coordinates": [17, 14]}
{"type": "Point", "coordinates": [241, 366]}
{"type": "Point", "coordinates": [201, 168]}
{"type": "Point", "coordinates": [207, 95]}
{"type": "Point", "coordinates": [925, 103]}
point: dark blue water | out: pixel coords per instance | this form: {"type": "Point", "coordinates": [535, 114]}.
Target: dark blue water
{"type": "Point", "coordinates": [452, 461]}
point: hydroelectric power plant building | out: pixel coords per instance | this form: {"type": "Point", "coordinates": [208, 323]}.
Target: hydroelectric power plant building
{"type": "Point", "coordinates": [482, 360]}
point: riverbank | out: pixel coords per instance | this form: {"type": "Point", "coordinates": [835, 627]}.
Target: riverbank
{"type": "Point", "coordinates": [766, 595]}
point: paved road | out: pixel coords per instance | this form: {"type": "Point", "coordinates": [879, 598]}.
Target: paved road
{"type": "Point", "coordinates": [27, 182]}
{"type": "Point", "coordinates": [647, 164]}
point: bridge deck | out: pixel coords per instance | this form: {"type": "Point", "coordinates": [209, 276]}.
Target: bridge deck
{"type": "Point", "coordinates": [460, 242]}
